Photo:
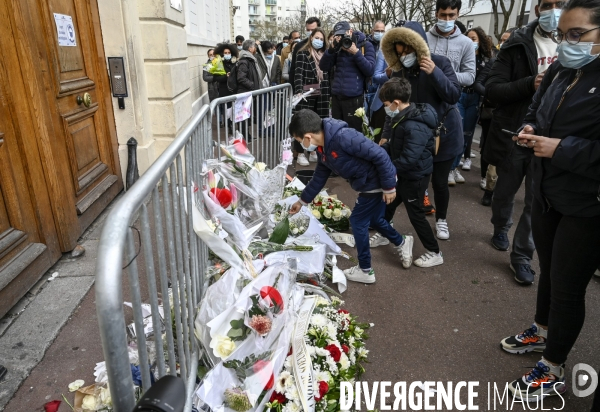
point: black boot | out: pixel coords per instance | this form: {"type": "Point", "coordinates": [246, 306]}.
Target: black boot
{"type": "Point", "coordinates": [486, 200]}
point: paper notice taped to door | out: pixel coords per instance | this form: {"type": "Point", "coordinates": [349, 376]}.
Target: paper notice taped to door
{"type": "Point", "coordinates": [65, 30]}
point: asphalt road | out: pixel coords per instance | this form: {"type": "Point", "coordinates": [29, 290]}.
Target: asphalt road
{"type": "Point", "coordinates": [437, 324]}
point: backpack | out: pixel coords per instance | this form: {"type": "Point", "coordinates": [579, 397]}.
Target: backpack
{"type": "Point", "coordinates": [232, 83]}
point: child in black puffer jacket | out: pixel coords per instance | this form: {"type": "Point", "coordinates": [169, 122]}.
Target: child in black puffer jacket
{"type": "Point", "coordinates": [411, 145]}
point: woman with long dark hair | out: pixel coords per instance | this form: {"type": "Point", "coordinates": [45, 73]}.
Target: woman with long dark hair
{"type": "Point", "coordinates": [229, 54]}
{"type": "Point", "coordinates": [562, 129]}
{"type": "Point", "coordinates": [469, 102]}
{"type": "Point", "coordinates": [308, 74]}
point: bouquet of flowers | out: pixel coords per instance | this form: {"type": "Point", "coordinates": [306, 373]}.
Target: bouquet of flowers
{"type": "Point", "coordinates": [336, 344]}
{"type": "Point", "coordinates": [216, 66]}
{"type": "Point", "coordinates": [367, 130]}
{"type": "Point", "coordinates": [331, 212]}
{"type": "Point", "coordinates": [299, 224]}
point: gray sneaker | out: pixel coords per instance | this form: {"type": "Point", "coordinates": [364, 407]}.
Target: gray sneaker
{"type": "Point", "coordinates": [378, 240]}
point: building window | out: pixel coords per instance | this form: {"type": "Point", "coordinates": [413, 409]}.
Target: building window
{"type": "Point", "coordinates": [469, 24]}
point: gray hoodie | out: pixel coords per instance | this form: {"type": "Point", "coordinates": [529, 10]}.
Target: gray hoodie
{"type": "Point", "coordinates": [458, 49]}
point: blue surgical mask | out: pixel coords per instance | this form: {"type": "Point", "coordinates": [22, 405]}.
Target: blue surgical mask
{"type": "Point", "coordinates": [378, 36]}
{"type": "Point", "coordinates": [239, 47]}
{"type": "Point", "coordinates": [311, 147]}
{"type": "Point", "coordinates": [409, 59]}
{"type": "Point", "coordinates": [317, 44]}
{"type": "Point", "coordinates": [297, 40]}
{"type": "Point", "coordinates": [391, 112]}
{"type": "Point", "coordinates": [227, 57]}
{"type": "Point", "coordinates": [308, 33]}
{"type": "Point", "coordinates": [284, 44]}
{"type": "Point", "coordinates": [269, 56]}
{"type": "Point", "coordinates": [476, 45]}
{"type": "Point", "coordinates": [549, 19]}
{"type": "Point", "coordinates": [575, 56]}
{"type": "Point", "coordinates": [445, 26]}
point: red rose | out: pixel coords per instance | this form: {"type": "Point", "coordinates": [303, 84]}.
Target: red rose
{"type": "Point", "coordinates": [260, 365]}
{"type": "Point", "coordinates": [323, 389]}
{"type": "Point", "coordinates": [334, 351]}
{"type": "Point", "coordinates": [291, 351]}
{"type": "Point", "coordinates": [279, 397]}
{"type": "Point", "coordinates": [223, 196]}
{"type": "Point", "coordinates": [273, 297]}
{"type": "Point", "coordinates": [345, 348]}
{"type": "Point", "coordinates": [343, 311]}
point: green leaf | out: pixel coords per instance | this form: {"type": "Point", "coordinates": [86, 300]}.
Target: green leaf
{"type": "Point", "coordinates": [376, 131]}
{"type": "Point", "coordinates": [280, 232]}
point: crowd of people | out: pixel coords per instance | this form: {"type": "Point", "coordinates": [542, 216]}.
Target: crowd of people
{"type": "Point", "coordinates": [534, 95]}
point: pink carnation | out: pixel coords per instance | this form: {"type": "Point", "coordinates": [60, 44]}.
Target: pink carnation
{"type": "Point", "coordinates": [261, 324]}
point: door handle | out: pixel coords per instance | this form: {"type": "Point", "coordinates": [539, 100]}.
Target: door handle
{"type": "Point", "coordinates": [86, 100]}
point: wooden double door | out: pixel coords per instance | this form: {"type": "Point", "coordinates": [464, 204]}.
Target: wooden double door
{"type": "Point", "coordinates": [59, 163]}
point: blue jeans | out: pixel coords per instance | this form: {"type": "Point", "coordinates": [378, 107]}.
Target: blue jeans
{"type": "Point", "coordinates": [369, 210]}
{"type": "Point", "coordinates": [468, 106]}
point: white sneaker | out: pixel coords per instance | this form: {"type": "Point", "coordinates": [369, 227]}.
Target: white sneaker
{"type": "Point", "coordinates": [458, 178]}
{"type": "Point", "coordinates": [356, 274]}
{"type": "Point", "coordinates": [441, 227]}
{"type": "Point", "coordinates": [302, 160]}
{"type": "Point", "coordinates": [473, 154]}
{"type": "Point", "coordinates": [405, 251]}
{"type": "Point", "coordinates": [467, 165]}
{"type": "Point", "coordinates": [313, 157]}
{"type": "Point", "coordinates": [451, 181]}
{"type": "Point", "coordinates": [429, 259]}
{"type": "Point", "coordinates": [378, 240]}
{"type": "Point", "coordinates": [483, 183]}
{"type": "Point", "coordinates": [461, 162]}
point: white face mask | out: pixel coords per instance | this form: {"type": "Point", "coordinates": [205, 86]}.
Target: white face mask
{"type": "Point", "coordinates": [409, 59]}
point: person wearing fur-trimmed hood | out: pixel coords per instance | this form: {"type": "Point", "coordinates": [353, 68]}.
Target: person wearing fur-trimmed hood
{"type": "Point", "coordinates": [433, 81]}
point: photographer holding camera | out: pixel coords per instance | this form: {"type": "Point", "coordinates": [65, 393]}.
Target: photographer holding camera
{"type": "Point", "coordinates": [354, 61]}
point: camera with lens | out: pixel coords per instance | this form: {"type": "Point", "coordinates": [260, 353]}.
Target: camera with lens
{"type": "Point", "coordinates": [347, 41]}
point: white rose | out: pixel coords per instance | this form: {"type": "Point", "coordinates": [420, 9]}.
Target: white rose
{"type": "Point", "coordinates": [89, 403]}
{"type": "Point", "coordinates": [222, 346]}
{"type": "Point", "coordinates": [322, 301]}
{"type": "Point", "coordinates": [73, 386]}
{"type": "Point", "coordinates": [295, 231]}
{"type": "Point", "coordinates": [360, 112]}
{"type": "Point", "coordinates": [337, 212]}
{"type": "Point", "coordinates": [316, 214]}
{"type": "Point", "coordinates": [260, 166]}
{"type": "Point", "coordinates": [327, 213]}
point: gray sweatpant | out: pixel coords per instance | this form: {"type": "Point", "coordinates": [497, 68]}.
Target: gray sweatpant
{"type": "Point", "coordinates": [511, 173]}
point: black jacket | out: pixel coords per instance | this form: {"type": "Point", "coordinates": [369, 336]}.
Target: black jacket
{"type": "Point", "coordinates": [247, 73]}
{"type": "Point", "coordinates": [440, 88]}
{"type": "Point", "coordinates": [412, 143]}
{"type": "Point", "coordinates": [211, 83]}
{"type": "Point", "coordinates": [570, 180]}
{"type": "Point", "coordinates": [510, 87]}
{"type": "Point", "coordinates": [221, 79]}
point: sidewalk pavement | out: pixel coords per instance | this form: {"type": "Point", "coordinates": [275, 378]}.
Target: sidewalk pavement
{"type": "Point", "coordinates": [439, 324]}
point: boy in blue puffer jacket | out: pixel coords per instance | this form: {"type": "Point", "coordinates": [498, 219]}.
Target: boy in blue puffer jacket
{"type": "Point", "coordinates": [343, 150]}
{"type": "Point", "coordinates": [411, 148]}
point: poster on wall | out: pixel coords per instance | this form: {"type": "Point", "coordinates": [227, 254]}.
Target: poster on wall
{"type": "Point", "coordinates": [65, 30]}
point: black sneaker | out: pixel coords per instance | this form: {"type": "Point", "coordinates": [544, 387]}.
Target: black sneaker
{"type": "Point", "coordinates": [527, 341]}
{"type": "Point", "coordinates": [523, 273]}
{"type": "Point", "coordinates": [500, 241]}
{"type": "Point", "coordinates": [539, 383]}
{"type": "Point", "coordinates": [486, 200]}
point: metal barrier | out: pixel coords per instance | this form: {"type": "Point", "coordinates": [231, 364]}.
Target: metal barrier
{"type": "Point", "coordinates": [154, 212]}
{"type": "Point", "coordinates": [264, 130]}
